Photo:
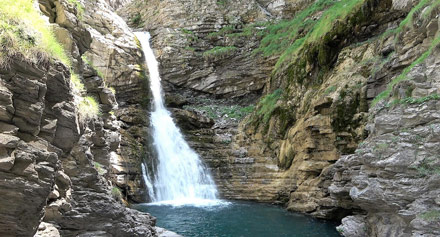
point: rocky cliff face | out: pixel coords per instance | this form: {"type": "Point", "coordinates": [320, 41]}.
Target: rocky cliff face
{"type": "Point", "coordinates": [63, 140]}
{"type": "Point", "coordinates": [320, 71]}
{"type": "Point", "coordinates": [391, 180]}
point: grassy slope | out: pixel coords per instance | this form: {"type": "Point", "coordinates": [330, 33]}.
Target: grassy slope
{"type": "Point", "coordinates": [24, 31]}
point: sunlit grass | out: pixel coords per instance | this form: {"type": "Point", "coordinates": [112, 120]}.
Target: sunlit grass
{"type": "Point", "coordinates": [88, 108]}
{"type": "Point", "coordinates": [24, 31]}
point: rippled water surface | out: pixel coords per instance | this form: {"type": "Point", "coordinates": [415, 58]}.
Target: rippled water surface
{"type": "Point", "coordinates": [237, 219]}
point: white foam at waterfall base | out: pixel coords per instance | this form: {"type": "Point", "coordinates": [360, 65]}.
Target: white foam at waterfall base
{"type": "Point", "coordinates": [180, 177]}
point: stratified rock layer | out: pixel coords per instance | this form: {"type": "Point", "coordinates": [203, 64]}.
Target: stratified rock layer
{"type": "Point", "coordinates": [57, 159]}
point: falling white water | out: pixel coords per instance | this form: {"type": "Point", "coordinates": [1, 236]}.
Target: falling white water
{"type": "Point", "coordinates": [148, 182]}
{"type": "Point", "coordinates": [180, 177]}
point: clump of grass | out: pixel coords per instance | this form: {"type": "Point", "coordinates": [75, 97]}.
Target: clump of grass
{"type": "Point", "coordinates": [404, 75]}
{"type": "Point", "coordinates": [87, 61]}
{"type": "Point", "coordinates": [116, 193]}
{"type": "Point", "coordinates": [411, 100]}
{"type": "Point", "coordinates": [137, 19]}
{"type": "Point", "coordinates": [428, 167]}
{"type": "Point", "coordinates": [88, 108]}
{"type": "Point", "coordinates": [219, 111]}
{"type": "Point", "coordinates": [98, 167]}
{"type": "Point", "coordinates": [279, 36]}
{"type": "Point", "coordinates": [23, 31]}
{"type": "Point", "coordinates": [267, 105]}
{"type": "Point", "coordinates": [222, 32]}
{"type": "Point", "coordinates": [219, 51]}
{"type": "Point", "coordinates": [191, 36]}
{"type": "Point", "coordinates": [286, 38]}
{"type": "Point", "coordinates": [78, 86]}
{"type": "Point", "coordinates": [430, 215]}
{"type": "Point", "coordinates": [330, 89]}
{"type": "Point", "coordinates": [79, 8]}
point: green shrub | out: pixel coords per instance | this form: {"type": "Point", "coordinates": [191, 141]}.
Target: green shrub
{"type": "Point", "coordinates": [137, 19]}
{"type": "Point", "coordinates": [222, 32]}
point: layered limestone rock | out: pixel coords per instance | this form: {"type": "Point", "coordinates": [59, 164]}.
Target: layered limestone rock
{"type": "Point", "coordinates": [115, 55]}
{"type": "Point", "coordinates": [56, 153]}
{"type": "Point", "coordinates": [315, 110]}
{"type": "Point", "coordinates": [391, 182]}
{"type": "Point", "coordinates": [203, 46]}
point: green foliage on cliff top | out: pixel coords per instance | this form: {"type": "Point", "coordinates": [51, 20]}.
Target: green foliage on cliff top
{"type": "Point", "coordinates": [24, 31]}
{"type": "Point", "coordinates": [287, 37]}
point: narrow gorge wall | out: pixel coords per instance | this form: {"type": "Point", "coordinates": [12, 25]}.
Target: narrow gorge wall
{"type": "Point", "coordinates": [70, 146]}
{"type": "Point", "coordinates": [319, 72]}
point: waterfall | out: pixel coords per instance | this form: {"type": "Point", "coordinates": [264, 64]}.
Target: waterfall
{"type": "Point", "coordinates": [180, 177]}
{"type": "Point", "coordinates": [148, 182]}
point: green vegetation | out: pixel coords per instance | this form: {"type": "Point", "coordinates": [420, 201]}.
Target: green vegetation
{"type": "Point", "coordinates": [431, 215]}
{"type": "Point", "coordinates": [113, 90]}
{"type": "Point", "coordinates": [87, 61]}
{"type": "Point", "coordinates": [221, 2]}
{"type": "Point", "coordinates": [431, 4]}
{"type": "Point", "coordinates": [137, 20]}
{"type": "Point", "coordinates": [188, 48]}
{"type": "Point", "coordinates": [428, 167]}
{"type": "Point", "coordinates": [219, 51]}
{"type": "Point", "coordinates": [329, 90]}
{"type": "Point", "coordinates": [98, 167]}
{"type": "Point", "coordinates": [88, 108]}
{"type": "Point", "coordinates": [191, 36]}
{"type": "Point", "coordinates": [77, 84]}
{"type": "Point", "coordinates": [222, 32]}
{"type": "Point", "coordinates": [219, 111]}
{"type": "Point", "coordinates": [267, 105]}
{"type": "Point", "coordinates": [403, 76]}
{"type": "Point", "coordinates": [116, 193]}
{"type": "Point", "coordinates": [79, 8]}
{"type": "Point", "coordinates": [411, 100]}
{"type": "Point", "coordinates": [287, 37]}
{"type": "Point", "coordinates": [23, 31]}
